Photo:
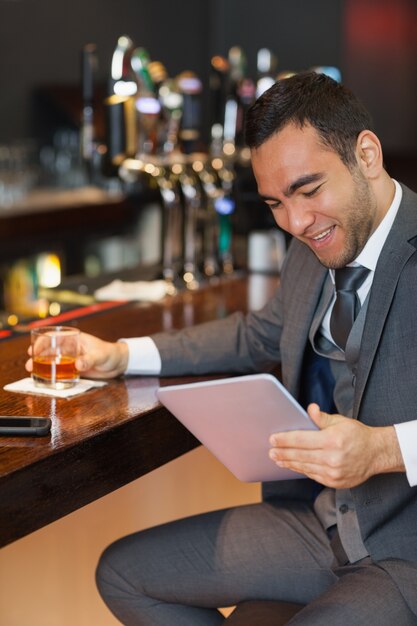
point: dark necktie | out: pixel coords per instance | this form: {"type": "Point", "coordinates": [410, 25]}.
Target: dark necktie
{"type": "Point", "coordinates": [347, 305]}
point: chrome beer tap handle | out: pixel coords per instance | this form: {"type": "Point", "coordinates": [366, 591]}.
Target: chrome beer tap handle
{"type": "Point", "coordinates": [225, 206]}
{"type": "Point", "coordinates": [171, 100]}
{"type": "Point", "coordinates": [212, 193]}
{"type": "Point", "coordinates": [147, 105]}
{"type": "Point", "coordinates": [172, 227]}
{"type": "Point", "coordinates": [192, 195]}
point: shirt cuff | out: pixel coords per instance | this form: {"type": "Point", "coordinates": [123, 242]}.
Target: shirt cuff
{"type": "Point", "coordinates": [407, 438]}
{"type": "Point", "coordinates": [144, 357]}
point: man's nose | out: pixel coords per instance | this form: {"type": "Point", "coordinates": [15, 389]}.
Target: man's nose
{"type": "Point", "coordinates": [299, 219]}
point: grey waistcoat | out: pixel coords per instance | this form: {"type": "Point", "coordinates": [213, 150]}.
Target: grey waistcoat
{"type": "Point", "coordinates": [335, 506]}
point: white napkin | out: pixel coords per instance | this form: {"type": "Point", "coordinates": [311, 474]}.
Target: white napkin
{"type": "Point", "coordinates": [150, 291]}
{"type": "Point", "coordinates": [26, 385]}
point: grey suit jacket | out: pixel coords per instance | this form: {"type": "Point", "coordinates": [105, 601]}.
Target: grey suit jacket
{"type": "Point", "coordinates": [385, 379]}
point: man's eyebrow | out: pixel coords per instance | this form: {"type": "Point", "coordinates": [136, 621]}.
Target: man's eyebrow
{"type": "Point", "coordinates": [266, 198]}
{"type": "Point", "coordinates": [303, 180]}
{"type": "Point", "coordinates": [300, 182]}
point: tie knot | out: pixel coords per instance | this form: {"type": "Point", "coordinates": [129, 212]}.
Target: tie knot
{"type": "Point", "coordinates": [350, 278]}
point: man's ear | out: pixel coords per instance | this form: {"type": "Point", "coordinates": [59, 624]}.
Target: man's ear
{"type": "Point", "coordinates": [369, 154]}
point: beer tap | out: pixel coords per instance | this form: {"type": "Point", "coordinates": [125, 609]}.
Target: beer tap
{"type": "Point", "coordinates": [219, 80]}
{"type": "Point", "coordinates": [172, 101]}
{"type": "Point", "coordinates": [212, 193]}
{"type": "Point", "coordinates": [178, 220]}
{"type": "Point", "coordinates": [191, 192]}
{"type": "Point", "coordinates": [191, 87]}
{"type": "Point", "coordinates": [147, 105]}
{"type": "Point", "coordinates": [225, 206]}
{"type": "Point", "coordinates": [172, 104]}
{"type": "Point", "coordinates": [241, 95]}
{"type": "Point", "coordinates": [120, 117]}
{"type": "Point", "coordinates": [166, 180]}
{"type": "Point", "coordinates": [139, 62]}
{"type": "Point", "coordinates": [157, 72]}
{"type": "Point", "coordinates": [121, 134]}
{"type": "Point", "coordinates": [266, 63]}
{"type": "Point", "coordinates": [233, 114]}
{"type": "Point", "coordinates": [123, 82]}
{"type": "Point", "coordinates": [158, 159]}
{"type": "Point", "coordinates": [172, 226]}
{"type": "Point", "coordinates": [180, 100]}
{"type": "Point", "coordinates": [247, 95]}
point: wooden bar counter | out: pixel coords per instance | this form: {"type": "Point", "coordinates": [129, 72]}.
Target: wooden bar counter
{"type": "Point", "coordinates": [106, 437]}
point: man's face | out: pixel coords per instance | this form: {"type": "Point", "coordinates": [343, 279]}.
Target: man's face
{"type": "Point", "coordinates": [314, 196]}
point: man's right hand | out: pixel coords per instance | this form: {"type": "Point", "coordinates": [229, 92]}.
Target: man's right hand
{"type": "Point", "coordinates": [98, 358]}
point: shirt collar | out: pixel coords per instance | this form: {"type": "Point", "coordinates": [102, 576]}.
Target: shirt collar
{"type": "Point", "coordinates": [370, 254]}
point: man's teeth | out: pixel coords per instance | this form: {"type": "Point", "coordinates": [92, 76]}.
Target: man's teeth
{"type": "Point", "coordinates": [323, 234]}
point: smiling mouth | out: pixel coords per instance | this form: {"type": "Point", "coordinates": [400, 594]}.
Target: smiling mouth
{"type": "Point", "coordinates": [324, 234]}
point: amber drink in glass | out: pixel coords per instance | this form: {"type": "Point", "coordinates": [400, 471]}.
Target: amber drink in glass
{"type": "Point", "coordinates": [54, 351]}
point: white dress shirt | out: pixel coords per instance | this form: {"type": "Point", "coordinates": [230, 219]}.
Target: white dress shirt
{"type": "Point", "coordinates": [144, 357]}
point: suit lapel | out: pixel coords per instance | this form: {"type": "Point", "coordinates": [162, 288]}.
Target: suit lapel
{"type": "Point", "coordinates": [395, 254]}
{"type": "Point", "coordinates": [309, 275]}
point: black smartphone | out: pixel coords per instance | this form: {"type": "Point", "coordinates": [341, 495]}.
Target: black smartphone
{"type": "Point", "coordinates": [25, 426]}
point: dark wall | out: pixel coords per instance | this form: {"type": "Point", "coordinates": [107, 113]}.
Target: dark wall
{"type": "Point", "coordinates": [40, 40]}
{"type": "Point", "coordinates": [380, 64]}
{"type": "Point", "coordinates": [372, 41]}
{"type": "Point", "coordinates": [302, 33]}
{"type": "Point", "coordinates": [40, 43]}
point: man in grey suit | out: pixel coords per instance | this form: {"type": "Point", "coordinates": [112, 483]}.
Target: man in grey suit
{"type": "Point", "coordinates": [343, 541]}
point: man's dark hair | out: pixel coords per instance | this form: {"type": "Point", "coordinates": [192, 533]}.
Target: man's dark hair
{"type": "Point", "coordinates": [315, 99]}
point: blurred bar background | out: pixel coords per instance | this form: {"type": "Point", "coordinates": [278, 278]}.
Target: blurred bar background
{"type": "Point", "coordinates": [121, 140]}
{"type": "Point", "coordinates": [121, 155]}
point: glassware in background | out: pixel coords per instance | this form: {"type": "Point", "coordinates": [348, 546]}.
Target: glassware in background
{"type": "Point", "coordinates": [19, 171]}
{"type": "Point", "coordinates": [61, 162]}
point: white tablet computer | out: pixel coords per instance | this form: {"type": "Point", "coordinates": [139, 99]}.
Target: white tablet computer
{"type": "Point", "coordinates": [234, 417]}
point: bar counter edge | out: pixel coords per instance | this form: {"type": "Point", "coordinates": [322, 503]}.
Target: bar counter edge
{"type": "Point", "coordinates": [115, 435]}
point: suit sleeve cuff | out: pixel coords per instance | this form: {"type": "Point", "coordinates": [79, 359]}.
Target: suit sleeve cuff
{"type": "Point", "coordinates": [407, 438]}
{"type": "Point", "coordinates": [144, 357]}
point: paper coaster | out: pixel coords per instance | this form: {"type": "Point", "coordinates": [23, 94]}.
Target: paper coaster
{"type": "Point", "coordinates": [26, 385]}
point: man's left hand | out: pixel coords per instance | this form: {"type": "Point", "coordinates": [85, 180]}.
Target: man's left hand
{"type": "Point", "coordinates": [343, 453]}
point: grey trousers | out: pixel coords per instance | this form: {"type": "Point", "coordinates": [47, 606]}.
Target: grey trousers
{"type": "Point", "coordinates": [178, 574]}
